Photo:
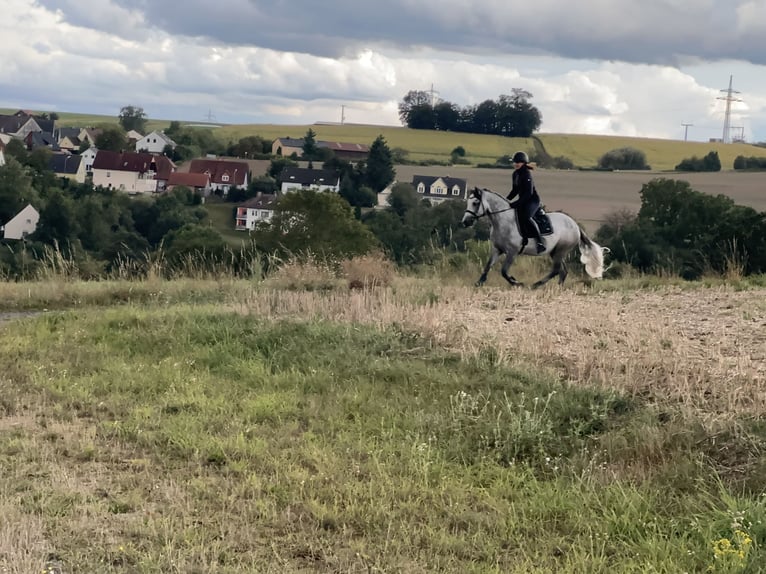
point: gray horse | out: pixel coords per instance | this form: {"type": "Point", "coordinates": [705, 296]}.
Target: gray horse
{"type": "Point", "coordinates": [506, 237]}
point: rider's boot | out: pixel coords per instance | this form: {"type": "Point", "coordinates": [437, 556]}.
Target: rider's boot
{"type": "Point", "coordinates": [538, 238]}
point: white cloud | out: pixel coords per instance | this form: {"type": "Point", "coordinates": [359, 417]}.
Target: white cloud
{"type": "Point", "coordinates": [67, 57]}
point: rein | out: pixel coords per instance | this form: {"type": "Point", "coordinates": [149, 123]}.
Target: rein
{"type": "Point", "coordinates": [487, 212]}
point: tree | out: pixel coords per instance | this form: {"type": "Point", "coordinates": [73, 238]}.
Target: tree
{"type": "Point", "coordinates": [111, 138]}
{"type": "Point", "coordinates": [278, 165]}
{"type": "Point", "coordinates": [357, 196]}
{"type": "Point", "coordinates": [416, 111]}
{"type": "Point", "coordinates": [320, 222]}
{"type": "Point", "coordinates": [711, 162]}
{"type": "Point", "coordinates": [379, 171]}
{"type": "Point", "coordinates": [403, 198]}
{"type": "Point", "coordinates": [15, 189]}
{"type": "Point", "coordinates": [623, 158]}
{"type": "Point", "coordinates": [446, 116]}
{"type": "Point", "coordinates": [310, 148]}
{"type": "Point", "coordinates": [132, 118]}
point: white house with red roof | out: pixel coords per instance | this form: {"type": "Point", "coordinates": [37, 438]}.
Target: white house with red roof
{"type": "Point", "coordinates": [224, 173]}
{"type": "Point", "coordinates": [132, 172]}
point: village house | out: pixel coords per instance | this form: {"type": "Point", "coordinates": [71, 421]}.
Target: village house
{"type": "Point", "coordinates": [23, 122]}
{"type": "Point", "coordinates": [67, 165]}
{"type": "Point", "coordinates": [68, 138]}
{"type": "Point", "coordinates": [295, 178]}
{"type": "Point", "coordinates": [131, 172]}
{"type": "Point", "coordinates": [154, 142]}
{"type": "Point", "coordinates": [257, 209]}
{"type": "Point", "coordinates": [224, 174]}
{"type": "Point", "coordinates": [437, 189]}
{"type": "Point", "coordinates": [198, 182]}
{"type": "Point", "coordinates": [88, 156]}
{"type": "Point", "coordinates": [286, 147]}
{"type": "Point", "coordinates": [22, 224]}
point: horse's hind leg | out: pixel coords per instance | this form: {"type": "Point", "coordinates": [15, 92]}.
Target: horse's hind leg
{"type": "Point", "coordinates": [504, 272]}
{"type": "Point", "coordinates": [559, 268]}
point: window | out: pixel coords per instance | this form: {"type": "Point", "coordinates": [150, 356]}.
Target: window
{"type": "Point", "coordinates": [421, 188]}
{"type": "Point", "coordinates": [439, 190]}
{"type": "Point", "coordinates": [225, 177]}
{"type": "Point", "coordinates": [108, 174]}
{"type": "Point", "coordinates": [456, 190]}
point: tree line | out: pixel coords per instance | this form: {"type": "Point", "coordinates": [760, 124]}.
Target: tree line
{"type": "Point", "coordinates": [510, 115]}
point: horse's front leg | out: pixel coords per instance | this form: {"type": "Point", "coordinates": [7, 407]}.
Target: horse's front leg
{"type": "Point", "coordinates": [490, 262]}
{"type": "Point", "coordinates": [504, 271]}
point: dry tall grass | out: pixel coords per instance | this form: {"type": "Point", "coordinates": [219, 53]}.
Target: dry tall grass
{"type": "Point", "coordinates": [704, 348]}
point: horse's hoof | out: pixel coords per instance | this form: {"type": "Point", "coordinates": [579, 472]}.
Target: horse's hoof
{"type": "Point", "coordinates": [478, 284]}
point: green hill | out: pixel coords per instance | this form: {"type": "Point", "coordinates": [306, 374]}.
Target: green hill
{"type": "Point", "coordinates": [425, 145]}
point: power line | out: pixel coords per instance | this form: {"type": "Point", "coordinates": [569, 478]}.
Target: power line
{"type": "Point", "coordinates": [686, 130]}
{"type": "Point", "coordinates": [727, 116]}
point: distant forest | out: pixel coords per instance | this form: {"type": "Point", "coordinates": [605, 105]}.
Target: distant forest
{"type": "Point", "coordinates": [510, 115]}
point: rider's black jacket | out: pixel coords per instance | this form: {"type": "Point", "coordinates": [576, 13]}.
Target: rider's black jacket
{"type": "Point", "coordinates": [524, 189]}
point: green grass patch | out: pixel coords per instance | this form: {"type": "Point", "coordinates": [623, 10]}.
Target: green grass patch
{"type": "Point", "coordinates": [182, 438]}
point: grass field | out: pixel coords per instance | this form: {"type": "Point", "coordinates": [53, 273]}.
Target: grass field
{"type": "Point", "coordinates": [582, 149]}
{"type": "Point", "coordinates": [226, 426]}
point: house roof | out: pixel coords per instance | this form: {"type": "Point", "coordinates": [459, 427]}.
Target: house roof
{"type": "Point", "coordinates": [334, 146]}
{"type": "Point", "coordinates": [189, 179]}
{"type": "Point", "coordinates": [428, 181]}
{"type": "Point", "coordinates": [305, 176]}
{"type": "Point", "coordinates": [11, 124]}
{"type": "Point", "coordinates": [64, 163]}
{"type": "Point", "coordinates": [291, 142]}
{"type": "Point", "coordinates": [134, 162]}
{"type": "Point", "coordinates": [91, 133]}
{"type": "Point", "coordinates": [36, 140]}
{"type": "Point", "coordinates": [218, 168]}
{"type": "Point", "coordinates": [261, 201]}
{"type": "Point", "coordinates": [343, 146]}
{"type": "Point", "coordinates": [160, 135]}
{"type": "Point", "coordinates": [67, 133]}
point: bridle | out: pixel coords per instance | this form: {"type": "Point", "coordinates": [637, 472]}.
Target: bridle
{"type": "Point", "coordinates": [487, 212]}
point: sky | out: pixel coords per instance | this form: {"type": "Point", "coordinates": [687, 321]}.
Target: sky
{"type": "Point", "coordinates": [610, 67]}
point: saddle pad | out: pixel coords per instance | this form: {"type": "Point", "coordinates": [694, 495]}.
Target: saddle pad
{"type": "Point", "coordinates": [543, 224]}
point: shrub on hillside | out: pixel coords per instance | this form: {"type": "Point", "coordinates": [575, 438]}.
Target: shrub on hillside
{"type": "Point", "coordinates": [711, 162]}
{"type": "Point", "coordinates": [623, 158]}
{"type": "Point", "coordinates": [752, 162]}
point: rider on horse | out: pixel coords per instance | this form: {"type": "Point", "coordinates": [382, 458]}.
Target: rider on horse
{"type": "Point", "coordinates": [528, 201]}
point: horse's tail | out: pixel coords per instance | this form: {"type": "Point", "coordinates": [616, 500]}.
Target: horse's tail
{"type": "Point", "coordinates": [592, 256]}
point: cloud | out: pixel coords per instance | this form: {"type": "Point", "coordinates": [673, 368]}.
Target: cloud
{"type": "Point", "coordinates": [651, 31]}
{"type": "Point", "coordinates": [178, 65]}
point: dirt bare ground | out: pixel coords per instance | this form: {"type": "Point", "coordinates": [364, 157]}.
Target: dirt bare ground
{"type": "Point", "coordinates": [705, 348]}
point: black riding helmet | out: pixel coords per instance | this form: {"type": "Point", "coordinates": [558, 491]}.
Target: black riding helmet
{"type": "Point", "coordinates": [520, 157]}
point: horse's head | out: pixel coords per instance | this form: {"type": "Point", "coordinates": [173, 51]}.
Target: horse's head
{"type": "Point", "coordinates": [474, 208]}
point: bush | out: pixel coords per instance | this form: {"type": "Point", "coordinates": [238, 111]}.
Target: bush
{"type": "Point", "coordinates": [371, 270]}
{"type": "Point", "coordinates": [303, 273]}
{"type": "Point", "coordinates": [623, 158]}
{"type": "Point", "coordinates": [711, 162]}
{"type": "Point", "coordinates": [753, 162]}
{"type": "Point", "coordinates": [688, 232]}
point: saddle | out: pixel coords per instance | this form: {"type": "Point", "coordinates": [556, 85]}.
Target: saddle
{"type": "Point", "coordinates": [541, 219]}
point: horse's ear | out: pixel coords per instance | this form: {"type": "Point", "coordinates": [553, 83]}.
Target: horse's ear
{"type": "Point", "coordinates": [477, 191]}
